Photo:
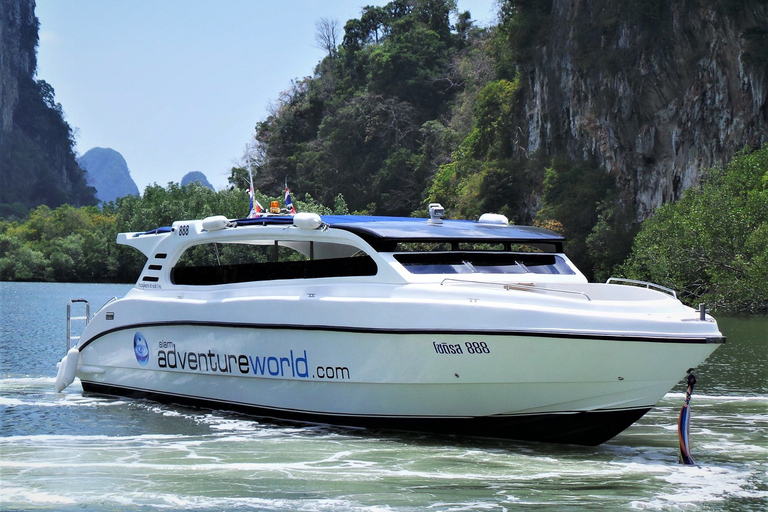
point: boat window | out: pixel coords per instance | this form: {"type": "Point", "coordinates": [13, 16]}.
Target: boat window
{"type": "Point", "coordinates": [420, 246]}
{"type": "Point", "coordinates": [466, 262]}
{"type": "Point", "coordinates": [238, 262]}
{"type": "Point", "coordinates": [460, 245]}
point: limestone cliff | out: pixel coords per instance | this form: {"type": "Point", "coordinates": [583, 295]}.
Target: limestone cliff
{"type": "Point", "coordinates": [108, 173]}
{"type": "Point", "coordinates": [197, 176]}
{"type": "Point", "coordinates": [18, 38]}
{"type": "Point", "coordinates": [655, 92]}
{"type": "Point", "coordinates": [37, 160]}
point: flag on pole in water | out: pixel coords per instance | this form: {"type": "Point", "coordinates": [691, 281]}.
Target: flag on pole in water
{"type": "Point", "coordinates": [288, 203]}
{"type": "Point", "coordinates": [684, 423]}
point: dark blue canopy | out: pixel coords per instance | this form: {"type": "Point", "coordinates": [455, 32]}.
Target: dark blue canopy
{"type": "Point", "coordinates": [409, 229]}
{"type": "Point", "coordinates": [415, 229]}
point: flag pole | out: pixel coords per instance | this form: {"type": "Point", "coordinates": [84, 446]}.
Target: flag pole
{"type": "Point", "coordinates": [684, 422]}
{"type": "Point", "coordinates": [256, 208]}
{"type": "Point", "coordinates": [250, 174]}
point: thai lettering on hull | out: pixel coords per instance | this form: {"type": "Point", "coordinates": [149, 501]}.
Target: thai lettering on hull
{"type": "Point", "coordinates": [470, 347]}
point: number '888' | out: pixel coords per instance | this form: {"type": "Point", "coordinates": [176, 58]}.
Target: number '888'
{"type": "Point", "coordinates": [477, 347]}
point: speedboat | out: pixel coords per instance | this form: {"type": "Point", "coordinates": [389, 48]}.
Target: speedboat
{"type": "Point", "coordinates": [475, 328]}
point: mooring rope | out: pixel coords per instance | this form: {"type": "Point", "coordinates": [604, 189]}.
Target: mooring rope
{"type": "Point", "coordinates": [684, 423]}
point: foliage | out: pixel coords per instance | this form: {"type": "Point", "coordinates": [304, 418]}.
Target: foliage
{"type": "Point", "coordinates": [78, 244]}
{"type": "Point", "coordinates": [487, 172]}
{"type": "Point", "coordinates": [161, 206]}
{"type": "Point", "coordinates": [610, 239]}
{"type": "Point", "coordinates": [523, 25]}
{"type": "Point", "coordinates": [65, 244]}
{"type": "Point", "coordinates": [712, 245]}
{"type": "Point", "coordinates": [582, 198]}
{"type": "Point", "coordinates": [365, 125]}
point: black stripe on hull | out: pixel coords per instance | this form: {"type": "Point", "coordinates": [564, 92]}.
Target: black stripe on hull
{"type": "Point", "coordinates": [583, 428]}
{"type": "Point", "coordinates": [435, 332]}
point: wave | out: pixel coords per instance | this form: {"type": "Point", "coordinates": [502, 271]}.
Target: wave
{"type": "Point", "coordinates": [25, 381]}
{"type": "Point", "coordinates": [718, 398]}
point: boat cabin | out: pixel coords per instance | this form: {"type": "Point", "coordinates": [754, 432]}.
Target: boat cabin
{"type": "Point", "coordinates": [218, 251]}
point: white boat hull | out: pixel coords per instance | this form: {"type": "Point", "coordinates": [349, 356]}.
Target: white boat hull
{"type": "Point", "coordinates": [539, 387]}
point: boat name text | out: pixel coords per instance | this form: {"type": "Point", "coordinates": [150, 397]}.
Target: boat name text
{"type": "Point", "coordinates": [470, 347]}
{"type": "Point", "coordinates": [289, 365]}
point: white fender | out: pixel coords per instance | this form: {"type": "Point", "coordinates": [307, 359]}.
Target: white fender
{"type": "Point", "coordinates": [67, 369]}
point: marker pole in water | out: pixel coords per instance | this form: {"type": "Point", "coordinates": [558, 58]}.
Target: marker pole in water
{"type": "Point", "coordinates": [684, 423]}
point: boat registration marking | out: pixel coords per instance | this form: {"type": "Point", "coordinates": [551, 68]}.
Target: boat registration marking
{"type": "Point", "coordinates": [470, 347]}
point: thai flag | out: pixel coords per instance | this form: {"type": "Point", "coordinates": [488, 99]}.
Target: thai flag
{"type": "Point", "coordinates": [288, 203]}
{"type": "Point", "coordinates": [256, 207]}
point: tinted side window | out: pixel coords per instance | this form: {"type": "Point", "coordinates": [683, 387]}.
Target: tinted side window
{"type": "Point", "coordinates": [223, 263]}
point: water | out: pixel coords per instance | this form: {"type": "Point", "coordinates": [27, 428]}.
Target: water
{"type": "Point", "coordinates": [73, 452]}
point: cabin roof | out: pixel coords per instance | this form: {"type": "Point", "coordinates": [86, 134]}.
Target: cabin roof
{"type": "Point", "coordinates": [410, 229]}
{"type": "Point", "coordinates": [418, 229]}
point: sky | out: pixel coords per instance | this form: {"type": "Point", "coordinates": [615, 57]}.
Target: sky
{"type": "Point", "coordinates": [179, 85]}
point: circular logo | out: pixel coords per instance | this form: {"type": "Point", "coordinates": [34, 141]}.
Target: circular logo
{"type": "Point", "coordinates": [141, 349]}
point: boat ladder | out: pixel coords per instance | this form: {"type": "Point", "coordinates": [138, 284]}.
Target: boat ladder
{"type": "Point", "coordinates": [71, 319]}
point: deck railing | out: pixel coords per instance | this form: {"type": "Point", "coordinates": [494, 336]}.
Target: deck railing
{"type": "Point", "coordinates": [525, 287]}
{"type": "Point", "coordinates": [645, 284]}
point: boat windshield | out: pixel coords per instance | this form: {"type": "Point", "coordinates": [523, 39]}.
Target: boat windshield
{"type": "Point", "coordinates": [483, 263]}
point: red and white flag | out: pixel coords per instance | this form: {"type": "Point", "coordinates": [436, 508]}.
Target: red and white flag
{"type": "Point", "coordinates": [288, 203]}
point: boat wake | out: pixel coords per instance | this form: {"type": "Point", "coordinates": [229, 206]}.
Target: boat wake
{"type": "Point", "coordinates": [156, 457]}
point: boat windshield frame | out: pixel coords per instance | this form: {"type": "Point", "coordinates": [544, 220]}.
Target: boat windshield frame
{"type": "Point", "coordinates": [484, 262]}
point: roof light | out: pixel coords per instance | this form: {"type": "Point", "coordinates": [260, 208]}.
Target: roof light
{"type": "Point", "coordinates": [215, 223]}
{"type": "Point", "coordinates": [436, 213]}
{"type": "Point", "coordinates": [494, 218]}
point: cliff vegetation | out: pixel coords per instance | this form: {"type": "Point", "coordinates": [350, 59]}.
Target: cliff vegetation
{"type": "Point", "coordinates": [711, 246]}
{"type": "Point", "coordinates": [582, 115]}
{"type": "Point", "coordinates": [600, 119]}
{"type": "Point", "coordinates": [69, 244]}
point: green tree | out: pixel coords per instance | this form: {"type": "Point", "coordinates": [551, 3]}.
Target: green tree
{"type": "Point", "coordinates": [712, 245]}
{"type": "Point", "coordinates": [487, 172]}
{"type": "Point", "coordinates": [57, 245]}
{"type": "Point", "coordinates": [358, 126]}
{"type": "Point", "coordinates": [78, 244]}
{"type": "Point", "coordinates": [575, 195]}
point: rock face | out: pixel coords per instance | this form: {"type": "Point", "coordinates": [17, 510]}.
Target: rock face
{"type": "Point", "coordinates": [37, 160]}
{"type": "Point", "coordinates": [655, 96]}
{"type": "Point", "coordinates": [108, 174]}
{"type": "Point", "coordinates": [196, 176]}
{"type": "Point", "coordinates": [18, 38]}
